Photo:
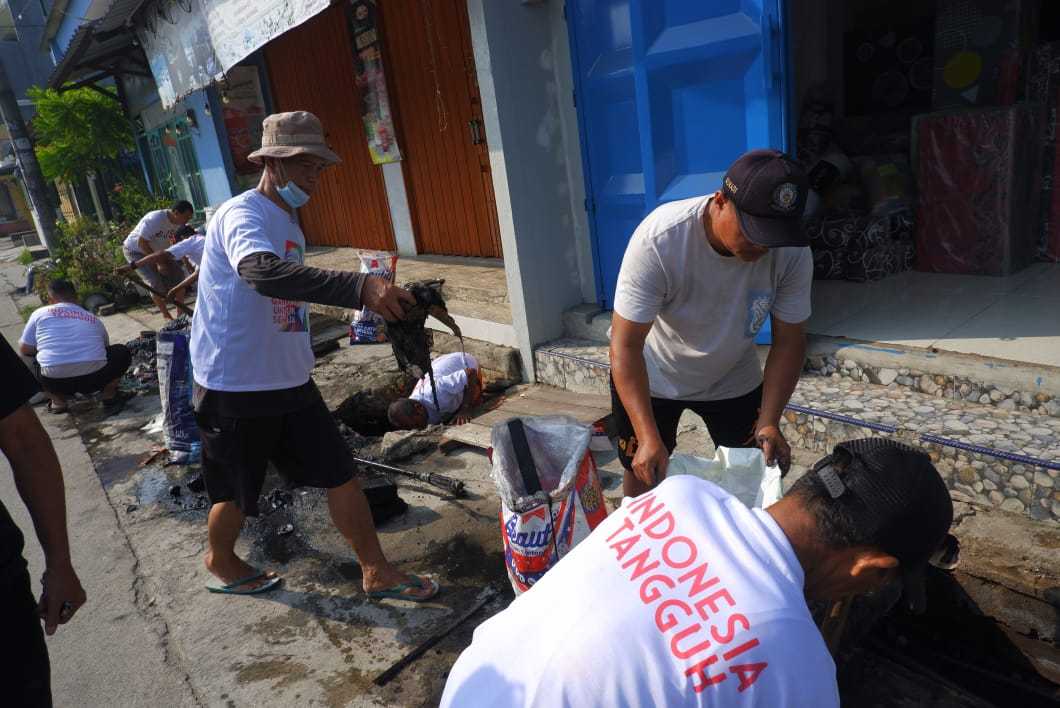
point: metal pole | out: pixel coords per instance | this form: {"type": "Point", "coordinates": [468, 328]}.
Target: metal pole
{"type": "Point", "coordinates": [26, 159]}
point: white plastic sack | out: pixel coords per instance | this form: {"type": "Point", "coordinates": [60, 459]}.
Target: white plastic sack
{"type": "Point", "coordinates": [539, 529]}
{"type": "Point", "coordinates": [740, 471]}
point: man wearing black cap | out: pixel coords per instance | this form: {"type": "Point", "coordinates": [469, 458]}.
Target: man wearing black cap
{"type": "Point", "coordinates": [706, 600]}
{"type": "Point", "coordinates": [697, 281]}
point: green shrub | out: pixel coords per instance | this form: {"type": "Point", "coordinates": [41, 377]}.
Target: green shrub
{"type": "Point", "coordinates": [25, 257]}
{"type": "Point", "coordinates": [87, 254]}
{"type": "Point", "coordinates": [132, 200]}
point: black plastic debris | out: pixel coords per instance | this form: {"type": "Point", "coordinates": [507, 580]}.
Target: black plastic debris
{"type": "Point", "coordinates": [286, 529]}
{"type": "Point", "coordinates": [175, 491]}
{"type": "Point", "coordinates": [196, 485]}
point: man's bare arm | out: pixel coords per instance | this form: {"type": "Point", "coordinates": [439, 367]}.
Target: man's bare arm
{"type": "Point", "coordinates": [27, 350]}
{"type": "Point", "coordinates": [630, 374]}
{"type": "Point", "coordinates": [783, 368]}
{"type": "Point", "coordinates": [183, 284]}
{"type": "Point", "coordinates": [39, 481]}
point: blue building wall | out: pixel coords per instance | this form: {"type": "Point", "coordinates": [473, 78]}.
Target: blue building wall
{"type": "Point", "coordinates": [76, 10]}
{"type": "Point", "coordinates": [145, 105]}
{"type": "Point", "coordinates": [26, 63]}
{"type": "Point", "coordinates": [208, 150]}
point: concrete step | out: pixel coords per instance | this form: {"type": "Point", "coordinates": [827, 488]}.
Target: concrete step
{"type": "Point", "coordinates": [1005, 458]}
{"type": "Point", "coordinates": [1008, 385]}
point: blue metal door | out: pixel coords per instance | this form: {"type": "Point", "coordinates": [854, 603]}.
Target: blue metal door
{"type": "Point", "coordinates": [669, 93]}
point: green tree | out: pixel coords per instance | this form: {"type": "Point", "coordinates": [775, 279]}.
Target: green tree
{"type": "Point", "coordinates": [78, 131]}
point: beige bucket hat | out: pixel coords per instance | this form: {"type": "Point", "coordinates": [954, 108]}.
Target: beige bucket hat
{"type": "Point", "coordinates": [291, 134]}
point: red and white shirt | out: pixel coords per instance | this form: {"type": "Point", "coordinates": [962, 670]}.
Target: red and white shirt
{"type": "Point", "coordinates": [682, 597]}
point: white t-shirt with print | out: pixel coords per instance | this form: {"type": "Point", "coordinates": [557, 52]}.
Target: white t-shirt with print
{"type": "Point", "coordinates": [240, 340]}
{"type": "Point", "coordinates": [682, 597]}
{"type": "Point", "coordinates": [65, 333]}
{"type": "Point", "coordinates": [706, 307]}
{"type": "Point", "coordinates": [450, 375]}
{"type": "Point", "coordinates": [155, 228]}
{"type": "Point", "coordinates": [190, 248]}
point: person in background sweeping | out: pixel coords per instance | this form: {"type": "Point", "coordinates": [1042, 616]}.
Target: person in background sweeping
{"type": "Point", "coordinates": [152, 234]}
{"type": "Point", "coordinates": [189, 246]}
{"type": "Point", "coordinates": [697, 282]}
{"type": "Point", "coordinates": [255, 400]}
{"type": "Point", "coordinates": [685, 597]}
{"type": "Point", "coordinates": [72, 351]}
{"type": "Point", "coordinates": [458, 390]}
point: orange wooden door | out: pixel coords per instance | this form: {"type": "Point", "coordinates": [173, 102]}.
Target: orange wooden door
{"type": "Point", "coordinates": [312, 70]}
{"type": "Point", "coordinates": [435, 99]}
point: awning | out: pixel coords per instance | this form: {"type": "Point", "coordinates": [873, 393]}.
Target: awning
{"type": "Point", "coordinates": [102, 48]}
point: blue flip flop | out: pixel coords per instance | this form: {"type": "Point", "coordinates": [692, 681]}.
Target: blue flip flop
{"type": "Point", "coordinates": [230, 589]}
{"type": "Point", "coordinates": [398, 592]}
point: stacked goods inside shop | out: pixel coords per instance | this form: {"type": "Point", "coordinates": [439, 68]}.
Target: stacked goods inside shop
{"type": "Point", "coordinates": [928, 130]}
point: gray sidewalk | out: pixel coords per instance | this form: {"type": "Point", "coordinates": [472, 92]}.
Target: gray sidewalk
{"type": "Point", "coordinates": [116, 650]}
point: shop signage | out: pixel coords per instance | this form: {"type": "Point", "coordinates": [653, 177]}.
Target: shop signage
{"type": "Point", "coordinates": [363, 16]}
{"type": "Point", "coordinates": [191, 43]}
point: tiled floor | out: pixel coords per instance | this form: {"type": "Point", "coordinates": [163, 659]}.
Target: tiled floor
{"type": "Point", "coordinates": [474, 287]}
{"type": "Point", "coordinates": [1016, 318]}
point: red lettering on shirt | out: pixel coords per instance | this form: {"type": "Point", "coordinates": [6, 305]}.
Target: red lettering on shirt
{"type": "Point", "coordinates": [642, 566]}
{"type": "Point", "coordinates": [712, 602]}
{"type": "Point", "coordinates": [667, 552]}
{"type": "Point", "coordinates": [698, 584]}
{"type": "Point", "coordinates": [687, 653]}
{"type": "Point", "coordinates": [66, 314]}
{"type": "Point", "coordinates": [731, 632]}
{"type": "Point", "coordinates": [748, 673]}
{"type": "Point", "coordinates": [627, 525]}
{"type": "Point", "coordinates": [652, 529]}
{"type": "Point", "coordinates": [643, 504]}
{"type": "Point", "coordinates": [622, 547]}
{"type": "Point", "coordinates": [706, 681]}
{"type": "Point", "coordinates": [656, 593]}
{"type": "Point", "coordinates": [670, 621]}
{"type": "Point", "coordinates": [667, 562]}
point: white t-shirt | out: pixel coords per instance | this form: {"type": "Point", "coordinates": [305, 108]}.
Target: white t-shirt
{"type": "Point", "coordinates": [707, 308]}
{"type": "Point", "coordinates": [450, 375]}
{"type": "Point", "coordinates": [682, 597]}
{"type": "Point", "coordinates": [155, 228]}
{"type": "Point", "coordinates": [240, 340]}
{"type": "Point", "coordinates": [65, 333]}
{"type": "Point", "coordinates": [190, 248]}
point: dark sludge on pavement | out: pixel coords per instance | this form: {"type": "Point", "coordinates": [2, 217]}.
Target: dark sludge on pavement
{"type": "Point", "coordinates": [952, 655]}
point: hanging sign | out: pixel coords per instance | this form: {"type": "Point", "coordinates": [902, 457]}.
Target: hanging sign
{"type": "Point", "coordinates": [191, 43]}
{"type": "Point", "coordinates": [371, 82]}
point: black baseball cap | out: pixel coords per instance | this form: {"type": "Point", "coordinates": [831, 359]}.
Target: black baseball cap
{"type": "Point", "coordinates": [898, 499]}
{"type": "Point", "coordinates": [769, 190]}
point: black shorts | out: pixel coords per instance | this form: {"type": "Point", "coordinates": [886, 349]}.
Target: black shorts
{"type": "Point", "coordinates": [118, 361]}
{"type": "Point", "coordinates": [304, 444]}
{"type": "Point", "coordinates": [730, 421]}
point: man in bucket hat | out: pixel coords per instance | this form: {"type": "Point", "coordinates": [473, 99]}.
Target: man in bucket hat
{"type": "Point", "coordinates": [698, 280]}
{"type": "Point", "coordinates": [706, 601]}
{"type": "Point", "coordinates": [255, 401]}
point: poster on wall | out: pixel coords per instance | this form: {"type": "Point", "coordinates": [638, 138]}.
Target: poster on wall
{"type": "Point", "coordinates": [191, 43]}
{"type": "Point", "coordinates": [378, 122]}
{"type": "Point", "coordinates": [243, 113]}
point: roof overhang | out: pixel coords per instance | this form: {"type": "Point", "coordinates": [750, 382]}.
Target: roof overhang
{"type": "Point", "coordinates": [101, 48]}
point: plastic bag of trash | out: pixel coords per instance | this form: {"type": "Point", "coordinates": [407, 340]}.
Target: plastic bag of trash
{"type": "Point", "coordinates": [550, 492]}
{"type": "Point", "coordinates": [367, 326]}
{"type": "Point", "coordinates": [175, 383]}
{"type": "Point", "coordinates": [740, 471]}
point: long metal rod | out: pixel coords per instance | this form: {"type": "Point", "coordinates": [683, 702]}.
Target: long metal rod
{"type": "Point", "coordinates": [454, 486]}
{"type": "Point", "coordinates": [385, 677]}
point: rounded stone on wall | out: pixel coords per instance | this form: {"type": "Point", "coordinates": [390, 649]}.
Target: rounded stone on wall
{"type": "Point", "coordinates": [1013, 505]}
{"type": "Point", "coordinates": [996, 498]}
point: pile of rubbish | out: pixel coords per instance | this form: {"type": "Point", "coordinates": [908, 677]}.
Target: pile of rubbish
{"type": "Point", "coordinates": [142, 376]}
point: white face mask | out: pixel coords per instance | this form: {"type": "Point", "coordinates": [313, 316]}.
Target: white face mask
{"type": "Point", "coordinates": [291, 193]}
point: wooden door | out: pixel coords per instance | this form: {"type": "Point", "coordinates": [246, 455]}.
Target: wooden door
{"type": "Point", "coordinates": [311, 68]}
{"type": "Point", "coordinates": [438, 112]}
